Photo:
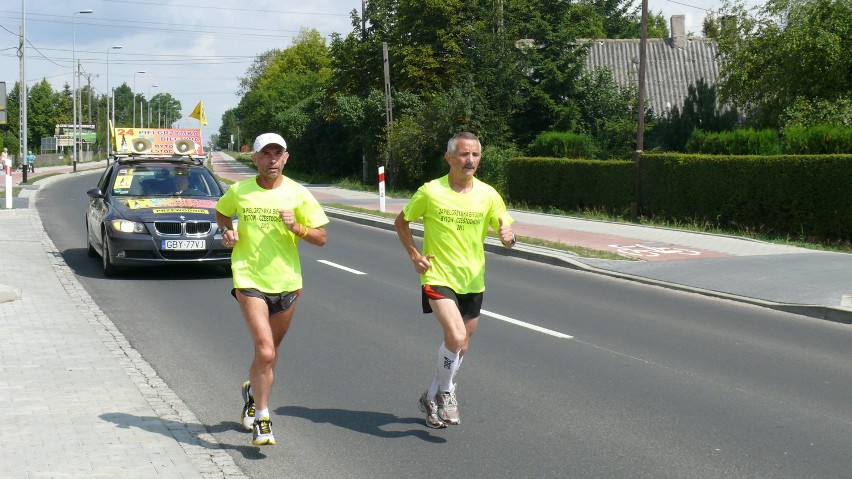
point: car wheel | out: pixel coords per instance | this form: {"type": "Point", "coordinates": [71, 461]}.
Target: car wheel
{"type": "Point", "coordinates": [90, 250]}
{"type": "Point", "coordinates": [109, 268]}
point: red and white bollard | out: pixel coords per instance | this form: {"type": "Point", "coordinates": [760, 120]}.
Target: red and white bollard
{"type": "Point", "coordinates": [382, 189]}
{"type": "Point", "coordinates": [7, 168]}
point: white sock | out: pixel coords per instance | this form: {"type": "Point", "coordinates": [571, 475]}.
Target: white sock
{"type": "Point", "coordinates": [448, 364]}
{"type": "Point", "coordinates": [262, 413]}
{"type": "Point", "coordinates": [458, 370]}
{"type": "Point", "coordinates": [433, 388]}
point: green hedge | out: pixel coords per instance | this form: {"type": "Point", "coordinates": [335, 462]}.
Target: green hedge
{"type": "Point", "coordinates": [803, 196]}
{"type": "Point", "coordinates": [809, 196]}
{"type": "Point", "coordinates": [571, 184]}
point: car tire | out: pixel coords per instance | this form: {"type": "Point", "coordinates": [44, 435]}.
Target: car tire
{"type": "Point", "coordinates": [109, 269]}
{"type": "Point", "coordinates": [90, 250]}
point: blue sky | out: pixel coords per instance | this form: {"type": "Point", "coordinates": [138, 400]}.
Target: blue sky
{"type": "Point", "coordinates": [195, 50]}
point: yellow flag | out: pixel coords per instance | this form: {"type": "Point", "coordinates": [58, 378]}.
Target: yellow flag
{"type": "Point", "coordinates": [198, 113]}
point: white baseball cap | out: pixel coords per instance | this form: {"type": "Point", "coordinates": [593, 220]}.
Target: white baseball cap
{"type": "Point", "coordinates": [269, 139]}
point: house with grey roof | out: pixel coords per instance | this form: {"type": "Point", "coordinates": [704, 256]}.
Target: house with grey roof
{"type": "Point", "coordinates": [672, 64]}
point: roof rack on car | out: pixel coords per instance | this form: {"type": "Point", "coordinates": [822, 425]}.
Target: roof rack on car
{"type": "Point", "coordinates": [142, 149]}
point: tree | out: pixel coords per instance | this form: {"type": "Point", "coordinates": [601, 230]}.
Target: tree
{"type": "Point", "coordinates": [506, 69]}
{"type": "Point", "coordinates": [620, 17]}
{"type": "Point", "coordinates": [788, 50]}
{"type": "Point", "coordinates": [123, 97]}
{"type": "Point", "coordinates": [165, 110]}
{"type": "Point", "coordinates": [805, 112]}
{"type": "Point", "coordinates": [44, 112]}
{"type": "Point", "coordinates": [551, 60]}
{"type": "Point", "coordinates": [286, 93]}
{"type": "Point", "coordinates": [701, 111]}
{"type": "Point", "coordinates": [658, 25]}
{"type": "Point", "coordinates": [229, 133]}
{"type": "Point", "coordinates": [710, 26]}
{"type": "Point", "coordinates": [607, 114]}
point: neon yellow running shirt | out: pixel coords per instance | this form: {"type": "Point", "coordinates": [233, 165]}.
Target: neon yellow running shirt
{"type": "Point", "coordinates": [455, 225]}
{"type": "Point", "coordinates": [266, 256]}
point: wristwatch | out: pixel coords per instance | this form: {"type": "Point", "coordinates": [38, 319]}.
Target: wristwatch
{"type": "Point", "coordinates": [512, 242]}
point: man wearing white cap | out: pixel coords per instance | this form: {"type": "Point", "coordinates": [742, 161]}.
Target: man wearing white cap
{"type": "Point", "coordinates": [274, 214]}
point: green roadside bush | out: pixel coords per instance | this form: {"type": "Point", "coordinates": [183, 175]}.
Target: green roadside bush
{"type": "Point", "coordinates": [744, 141]}
{"type": "Point", "coordinates": [818, 139]}
{"type": "Point", "coordinates": [493, 167]}
{"type": "Point", "coordinates": [824, 139]}
{"type": "Point", "coordinates": [559, 144]}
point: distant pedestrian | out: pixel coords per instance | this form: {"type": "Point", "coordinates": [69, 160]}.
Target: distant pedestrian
{"type": "Point", "coordinates": [31, 161]}
{"type": "Point", "coordinates": [457, 211]}
{"type": "Point", "coordinates": [5, 162]}
{"type": "Point", "coordinates": [274, 213]}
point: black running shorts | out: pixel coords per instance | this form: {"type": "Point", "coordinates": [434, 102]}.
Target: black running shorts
{"type": "Point", "coordinates": [277, 303]}
{"type": "Point", "coordinates": [469, 304]}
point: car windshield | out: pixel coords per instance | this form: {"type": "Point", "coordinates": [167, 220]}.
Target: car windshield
{"type": "Point", "coordinates": [171, 179]}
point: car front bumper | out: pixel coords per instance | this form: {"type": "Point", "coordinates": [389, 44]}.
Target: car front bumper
{"type": "Point", "coordinates": [140, 249]}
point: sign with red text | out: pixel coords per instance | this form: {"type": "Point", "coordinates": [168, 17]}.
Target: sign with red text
{"type": "Point", "coordinates": [162, 139]}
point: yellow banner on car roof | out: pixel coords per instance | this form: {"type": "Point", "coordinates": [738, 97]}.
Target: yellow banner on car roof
{"type": "Point", "coordinates": [163, 139]}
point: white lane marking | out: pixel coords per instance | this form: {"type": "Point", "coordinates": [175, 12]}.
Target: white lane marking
{"type": "Point", "coordinates": [344, 268]}
{"type": "Point", "coordinates": [522, 324]}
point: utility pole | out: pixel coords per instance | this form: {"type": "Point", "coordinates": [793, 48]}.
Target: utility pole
{"type": "Point", "coordinates": [89, 82]}
{"type": "Point", "coordinates": [364, 172]}
{"type": "Point", "coordinates": [388, 107]}
{"type": "Point", "coordinates": [640, 109]}
{"type": "Point", "coordinates": [22, 102]}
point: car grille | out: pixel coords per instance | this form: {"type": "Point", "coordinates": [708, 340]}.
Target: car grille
{"type": "Point", "coordinates": [183, 254]}
{"type": "Point", "coordinates": [176, 228]}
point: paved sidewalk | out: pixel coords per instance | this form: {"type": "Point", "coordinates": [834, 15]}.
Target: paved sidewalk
{"type": "Point", "coordinates": [76, 400]}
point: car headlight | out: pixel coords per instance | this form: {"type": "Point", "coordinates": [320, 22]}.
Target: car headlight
{"type": "Point", "coordinates": [125, 226]}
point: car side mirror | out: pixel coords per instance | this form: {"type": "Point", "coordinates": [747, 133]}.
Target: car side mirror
{"type": "Point", "coordinates": [95, 193]}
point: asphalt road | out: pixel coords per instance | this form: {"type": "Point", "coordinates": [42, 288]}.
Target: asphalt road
{"type": "Point", "coordinates": [653, 384]}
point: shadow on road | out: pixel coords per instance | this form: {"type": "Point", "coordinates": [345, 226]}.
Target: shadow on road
{"type": "Point", "coordinates": [365, 422]}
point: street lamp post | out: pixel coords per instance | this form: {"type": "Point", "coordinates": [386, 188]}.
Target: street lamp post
{"type": "Point", "coordinates": [134, 97]}
{"type": "Point", "coordinates": [74, 85]}
{"type": "Point", "coordinates": [110, 113]}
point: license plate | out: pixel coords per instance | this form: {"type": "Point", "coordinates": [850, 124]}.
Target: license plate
{"type": "Point", "coordinates": [183, 245]}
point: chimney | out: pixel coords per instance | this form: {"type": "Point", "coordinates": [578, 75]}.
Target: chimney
{"type": "Point", "coordinates": [679, 31]}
